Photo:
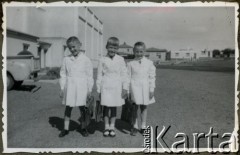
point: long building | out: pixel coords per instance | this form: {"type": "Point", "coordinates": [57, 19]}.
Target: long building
{"type": "Point", "coordinates": [125, 48]}
{"type": "Point", "coordinates": [190, 54]}
{"type": "Point", "coordinates": [157, 55]}
{"type": "Point", "coordinates": [43, 32]}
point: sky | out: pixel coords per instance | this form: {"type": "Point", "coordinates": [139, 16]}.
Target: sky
{"type": "Point", "coordinates": [171, 28]}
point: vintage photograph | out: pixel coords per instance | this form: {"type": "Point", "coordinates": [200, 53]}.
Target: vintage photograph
{"type": "Point", "coordinates": [104, 77]}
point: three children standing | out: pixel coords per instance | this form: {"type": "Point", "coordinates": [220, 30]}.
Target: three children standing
{"type": "Point", "coordinates": [115, 82]}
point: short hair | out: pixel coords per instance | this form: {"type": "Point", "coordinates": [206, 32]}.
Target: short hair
{"type": "Point", "coordinates": [73, 39]}
{"type": "Point", "coordinates": [113, 41]}
{"type": "Point", "coordinates": [139, 43]}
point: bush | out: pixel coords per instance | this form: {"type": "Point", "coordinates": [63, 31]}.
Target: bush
{"type": "Point", "coordinates": [51, 74]}
{"type": "Point", "coordinates": [54, 73]}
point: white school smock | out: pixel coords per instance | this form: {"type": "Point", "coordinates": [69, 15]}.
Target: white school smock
{"type": "Point", "coordinates": [76, 79]}
{"type": "Point", "coordinates": [142, 75]}
{"type": "Point", "coordinates": [111, 80]}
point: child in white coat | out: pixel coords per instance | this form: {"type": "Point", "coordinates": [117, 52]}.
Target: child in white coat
{"type": "Point", "coordinates": [76, 82]}
{"type": "Point", "coordinates": [141, 72]}
{"type": "Point", "coordinates": [112, 84]}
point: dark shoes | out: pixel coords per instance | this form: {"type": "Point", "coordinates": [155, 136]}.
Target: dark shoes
{"type": "Point", "coordinates": [133, 132]}
{"type": "Point", "coordinates": [63, 133]}
{"type": "Point", "coordinates": [84, 133]}
{"type": "Point", "coordinates": [142, 131]}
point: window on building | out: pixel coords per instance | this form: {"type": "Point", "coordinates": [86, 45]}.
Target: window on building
{"type": "Point", "coordinates": [203, 52]}
{"type": "Point", "coordinates": [176, 54]}
{"type": "Point", "coordinates": [159, 56]}
{"type": "Point", "coordinates": [39, 51]}
{"type": "Point", "coordinates": [187, 54]}
{"type": "Point", "coordinates": [25, 46]}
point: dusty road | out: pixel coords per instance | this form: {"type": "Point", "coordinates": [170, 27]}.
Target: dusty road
{"type": "Point", "coordinates": [188, 101]}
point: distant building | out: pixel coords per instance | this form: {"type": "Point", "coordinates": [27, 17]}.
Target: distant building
{"type": "Point", "coordinates": [157, 55]}
{"type": "Point", "coordinates": [190, 54]}
{"type": "Point", "coordinates": [125, 49]}
{"type": "Point", "coordinates": [41, 32]}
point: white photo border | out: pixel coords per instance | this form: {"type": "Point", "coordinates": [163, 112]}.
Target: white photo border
{"type": "Point", "coordinates": [234, 146]}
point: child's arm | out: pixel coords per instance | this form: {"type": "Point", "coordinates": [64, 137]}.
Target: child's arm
{"type": "Point", "coordinates": [63, 75]}
{"type": "Point", "coordinates": [89, 68]}
{"type": "Point", "coordinates": [124, 75]}
{"type": "Point", "coordinates": [152, 77]}
{"type": "Point", "coordinates": [99, 76]}
{"type": "Point", "coordinates": [129, 75]}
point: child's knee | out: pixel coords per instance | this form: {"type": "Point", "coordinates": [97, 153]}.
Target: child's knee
{"type": "Point", "coordinates": [143, 107]}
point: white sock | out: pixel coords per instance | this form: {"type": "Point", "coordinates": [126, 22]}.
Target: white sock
{"type": "Point", "coordinates": [136, 124]}
{"type": "Point", "coordinates": [112, 126]}
{"type": "Point", "coordinates": [66, 124]}
{"type": "Point", "coordinates": [107, 126]}
{"type": "Point", "coordinates": [143, 125]}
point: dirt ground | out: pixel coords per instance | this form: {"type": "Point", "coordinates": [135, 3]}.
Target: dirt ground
{"type": "Point", "coordinates": [188, 101]}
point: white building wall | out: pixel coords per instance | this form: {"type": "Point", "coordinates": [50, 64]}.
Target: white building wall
{"type": "Point", "coordinates": [60, 22]}
{"type": "Point", "coordinates": [82, 29]}
{"type": "Point", "coordinates": [154, 56]}
{"type": "Point", "coordinates": [88, 47]}
{"type": "Point", "coordinates": [95, 46]}
{"type": "Point", "coordinates": [180, 54]}
{"type": "Point", "coordinates": [55, 53]}
{"type": "Point", "coordinates": [28, 20]}
{"type": "Point", "coordinates": [126, 50]}
{"type": "Point", "coordinates": [57, 22]}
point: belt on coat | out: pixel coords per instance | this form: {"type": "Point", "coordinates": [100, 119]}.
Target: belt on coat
{"type": "Point", "coordinates": [139, 78]}
{"type": "Point", "coordinates": [77, 77]}
{"type": "Point", "coordinates": [113, 77]}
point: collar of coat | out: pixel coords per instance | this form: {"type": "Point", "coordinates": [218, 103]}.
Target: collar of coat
{"type": "Point", "coordinates": [141, 60]}
{"type": "Point", "coordinates": [79, 55]}
{"type": "Point", "coordinates": [115, 56]}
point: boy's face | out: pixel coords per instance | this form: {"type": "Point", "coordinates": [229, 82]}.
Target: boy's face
{"type": "Point", "coordinates": [112, 50]}
{"type": "Point", "coordinates": [74, 48]}
{"type": "Point", "coordinates": [139, 51]}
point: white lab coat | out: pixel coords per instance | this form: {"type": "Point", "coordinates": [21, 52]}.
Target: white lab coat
{"type": "Point", "coordinates": [142, 80]}
{"type": "Point", "coordinates": [76, 79]}
{"type": "Point", "coordinates": [111, 80]}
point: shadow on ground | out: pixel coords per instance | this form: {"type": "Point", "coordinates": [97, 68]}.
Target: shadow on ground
{"type": "Point", "coordinates": [123, 126]}
{"type": "Point", "coordinates": [29, 88]}
{"type": "Point", "coordinates": [57, 122]}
